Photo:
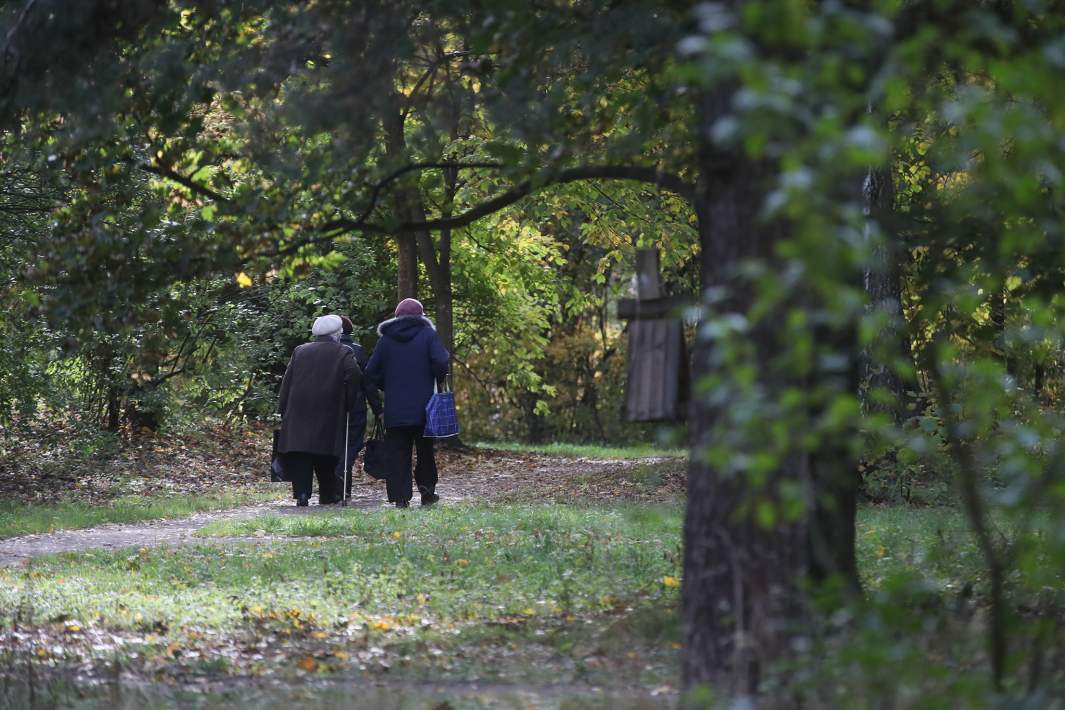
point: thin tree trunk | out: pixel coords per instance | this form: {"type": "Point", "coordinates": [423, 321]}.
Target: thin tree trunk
{"type": "Point", "coordinates": [396, 151]}
{"type": "Point", "coordinates": [407, 273]}
{"type": "Point", "coordinates": [883, 285]}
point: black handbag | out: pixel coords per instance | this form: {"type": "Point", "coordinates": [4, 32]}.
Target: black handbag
{"type": "Point", "coordinates": [277, 473]}
{"type": "Point", "coordinates": [379, 459]}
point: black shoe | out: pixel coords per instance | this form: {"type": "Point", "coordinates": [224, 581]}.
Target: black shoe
{"type": "Point", "coordinates": [302, 502]}
{"type": "Point", "coordinates": [403, 504]}
{"type": "Point", "coordinates": [430, 498]}
{"type": "Point", "coordinates": [328, 501]}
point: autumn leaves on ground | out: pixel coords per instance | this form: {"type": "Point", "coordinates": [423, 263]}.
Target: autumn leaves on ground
{"type": "Point", "coordinates": [544, 578]}
{"type": "Point", "coordinates": [538, 571]}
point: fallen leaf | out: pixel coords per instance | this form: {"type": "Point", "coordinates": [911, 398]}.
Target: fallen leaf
{"type": "Point", "coordinates": [671, 582]}
{"type": "Point", "coordinates": [308, 664]}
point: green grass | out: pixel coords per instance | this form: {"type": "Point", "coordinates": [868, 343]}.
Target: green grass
{"type": "Point", "coordinates": [26, 518]}
{"type": "Point", "coordinates": [593, 451]}
{"type": "Point", "coordinates": [474, 582]}
{"type": "Point", "coordinates": [535, 594]}
{"type": "Point", "coordinates": [469, 562]}
{"type": "Point", "coordinates": [934, 541]}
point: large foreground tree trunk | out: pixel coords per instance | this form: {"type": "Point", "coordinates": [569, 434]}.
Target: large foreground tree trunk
{"type": "Point", "coordinates": [740, 595]}
{"type": "Point", "coordinates": [742, 605]}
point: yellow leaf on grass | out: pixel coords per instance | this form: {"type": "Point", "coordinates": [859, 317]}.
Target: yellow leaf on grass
{"type": "Point", "coordinates": [243, 280]}
{"type": "Point", "coordinates": [462, 563]}
{"type": "Point", "coordinates": [881, 552]}
{"type": "Point", "coordinates": [319, 635]}
{"type": "Point", "coordinates": [528, 611]}
{"type": "Point", "coordinates": [42, 652]}
{"type": "Point", "coordinates": [397, 535]}
{"type": "Point", "coordinates": [671, 582]}
{"type": "Point", "coordinates": [72, 628]}
{"type": "Point", "coordinates": [308, 664]}
{"type": "Point", "coordinates": [382, 625]}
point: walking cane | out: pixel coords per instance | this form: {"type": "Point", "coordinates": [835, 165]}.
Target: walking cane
{"type": "Point", "coordinates": [347, 433]}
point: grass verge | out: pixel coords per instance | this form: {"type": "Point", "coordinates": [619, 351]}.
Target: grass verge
{"type": "Point", "coordinates": [26, 518]}
{"type": "Point", "coordinates": [534, 595]}
{"type": "Point", "coordinates": [547, 593]}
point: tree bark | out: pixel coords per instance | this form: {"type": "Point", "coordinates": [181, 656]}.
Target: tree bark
{"type": "Point", "coordinates": [883, 285]}
{"type": "Point", "coordinates": [740, 592]}
{"type": "Point", "coordinates": [405, 207]}
{"type": "Point", "coordinates": [742, 605]}
{"type": "Point", "coordinates": [407, 268]}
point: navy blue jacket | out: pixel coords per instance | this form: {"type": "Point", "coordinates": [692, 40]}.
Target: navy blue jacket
{"type": "Point", "coordinates": [405, 363]}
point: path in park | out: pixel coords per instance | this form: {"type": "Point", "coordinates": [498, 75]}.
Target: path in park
{"type": "Point", "coordinates": [500, 476]}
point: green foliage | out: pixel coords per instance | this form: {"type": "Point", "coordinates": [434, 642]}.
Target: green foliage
{"type": "Point", "coordinates": [821, 100]}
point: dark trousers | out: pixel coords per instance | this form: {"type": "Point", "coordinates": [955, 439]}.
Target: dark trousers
{"type": "Point", "coordinates": [399, 485]}
{"type": "Point", "coordinates": [356, 433]}
{"type": "Point", "coordinates": [299, 466]}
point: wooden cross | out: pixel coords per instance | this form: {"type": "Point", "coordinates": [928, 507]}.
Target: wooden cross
{"type": "Point", "coordinates": [658, 369]}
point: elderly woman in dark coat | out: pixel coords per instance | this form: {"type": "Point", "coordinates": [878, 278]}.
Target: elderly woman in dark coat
{"type": "Point", "coordinates": [408, 358]}
{"type": "Point", "coordinates": [320, 385]}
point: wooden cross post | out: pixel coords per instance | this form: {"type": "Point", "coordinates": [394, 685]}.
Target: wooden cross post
{"type": "Point", "coordinates": [658, 373]}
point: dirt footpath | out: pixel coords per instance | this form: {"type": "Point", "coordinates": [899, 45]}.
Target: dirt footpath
{"type": "Point", "coordinates": [477, 475]}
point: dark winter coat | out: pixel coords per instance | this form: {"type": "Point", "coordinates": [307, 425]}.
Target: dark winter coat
{"type": "Point", "coordinates": [367, 391]}
{"type": "Point", "coordinates": [320, 385]}
{"type": "Point", "coordinates": [406, 361]}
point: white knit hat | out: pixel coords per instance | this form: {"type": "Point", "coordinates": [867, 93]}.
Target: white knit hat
{"type": "Point", "coordinates": [327, 325]}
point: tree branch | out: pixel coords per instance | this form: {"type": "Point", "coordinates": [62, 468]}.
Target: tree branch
{"type": "Point", "coordinates": [666, 180]}
{"type": "Point", "coordinates": [375, 195]}
{"type": "Point", "coordinates": [187, 182]}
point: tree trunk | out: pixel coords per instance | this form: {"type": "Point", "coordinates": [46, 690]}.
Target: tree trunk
{"type": "Point", "coordinates": [396, 152]}
{"type": "Point", "coordinates": [114, 408]}
{"type": "Point", "coordinates": [883, 284]}
{"type": "Point", "coordinates": [742, 606]}
{"type": "Point", "coordinates": [407, 273]}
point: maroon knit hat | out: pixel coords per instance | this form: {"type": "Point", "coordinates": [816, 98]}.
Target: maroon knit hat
{"type": "Point", "coordinates": [347, 327]}
{"type": "Point", "coordinates": [409, 307]}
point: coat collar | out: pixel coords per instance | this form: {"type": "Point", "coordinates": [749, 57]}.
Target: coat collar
{"type": "Point", "coordinates": [390, 321]}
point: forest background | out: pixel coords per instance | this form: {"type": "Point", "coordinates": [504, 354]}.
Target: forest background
{"type": "Point", "coordinates": [865, 197]}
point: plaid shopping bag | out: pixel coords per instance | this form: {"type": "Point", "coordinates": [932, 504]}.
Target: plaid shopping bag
{"type": "Point", "coordinates": [441, 420]}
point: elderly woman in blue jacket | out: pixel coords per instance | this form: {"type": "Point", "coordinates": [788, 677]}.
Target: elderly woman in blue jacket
{"type": "Point", "coordinates": [408, 359]}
